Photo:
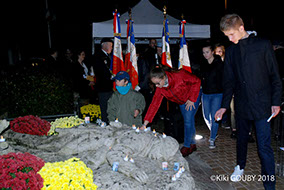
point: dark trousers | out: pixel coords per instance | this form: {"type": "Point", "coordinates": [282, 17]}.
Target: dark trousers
{"type": "Point", "coordinates": [103, 99]}
{"type": "Point", "coordinates": [265, 151]}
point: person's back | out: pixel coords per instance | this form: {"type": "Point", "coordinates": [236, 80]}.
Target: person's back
{"type": "Point", "coordinates": [101, 64]}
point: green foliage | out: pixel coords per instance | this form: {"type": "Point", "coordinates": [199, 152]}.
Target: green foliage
{"type": "Point", "coordinates": [34, 92]}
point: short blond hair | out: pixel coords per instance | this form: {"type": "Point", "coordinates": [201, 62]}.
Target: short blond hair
{"type": "Point", "coordinates": [230, 21]}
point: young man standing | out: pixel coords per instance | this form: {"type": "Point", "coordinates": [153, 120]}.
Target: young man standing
{"type": "Point", "coordinates": [251, 75]}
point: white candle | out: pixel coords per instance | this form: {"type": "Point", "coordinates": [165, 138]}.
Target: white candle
{"type": "Point", "coordinates": [103, 124]}
{"type": "Point", "coordinates": [182, 169]}
{"type": "Point", "coordinates": [164, 135]}
{"type": "Point", "coordinates": [178, 174]}
{"type": "Point", "coordinates": [126, 158]}
{"type": "Point", "coordinates": [154, 131]}
{"type": "Point", "coordinates": [155, 135]}
{"type": "Point", "coordinates": [268, 120]}
{"type": "Point", "coordinates": [147, 129]}
{"type": "Point", "coordinates": [137, 130]}
{"type": "Point", "coordinates": [133, 127]}
{"type": "Point", "coordinates": [2, 139]}
{"type": "Point", "coordinates": [174, 178]}
{"type": "Point", "coordinates": [131, 160]}
{"type": "Point", "coordinates": [116, 120]}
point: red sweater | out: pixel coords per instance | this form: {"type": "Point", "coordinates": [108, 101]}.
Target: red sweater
{"type": "Point", "coordinates": [182, 86]}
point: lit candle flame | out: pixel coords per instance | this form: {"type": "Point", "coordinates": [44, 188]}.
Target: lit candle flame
{"type": "Point", "coordinates": [2, 137]}
{"type": "Point", "coordinates": [154, 131]}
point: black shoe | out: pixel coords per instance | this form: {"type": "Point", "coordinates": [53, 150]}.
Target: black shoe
{"type": "Point", "coordinates": [234, 135]}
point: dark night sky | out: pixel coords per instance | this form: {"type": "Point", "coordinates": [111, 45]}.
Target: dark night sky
{"type": "Point", "coordinates": [27, 29]}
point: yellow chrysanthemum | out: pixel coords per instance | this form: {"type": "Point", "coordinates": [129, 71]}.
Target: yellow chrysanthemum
{"type": "Point", "coordinates": [71, 174]}
{"type": "Point", "coordinates": [65, 122]}
{"type": "Point", "coordinates": [94, 111]}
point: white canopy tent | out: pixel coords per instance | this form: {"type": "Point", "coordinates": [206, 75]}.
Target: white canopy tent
{"type": "Point", "coordinates": [148, 23]}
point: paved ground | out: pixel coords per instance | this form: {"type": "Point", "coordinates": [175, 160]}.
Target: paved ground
{"type": "Point", "coordinates": [222, 160]}
{"type": "Point", "coordinates": [206, 165]}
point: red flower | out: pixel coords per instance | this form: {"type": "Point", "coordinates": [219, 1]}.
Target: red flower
{"type": "Point", "coordinates": [30, 125]}
{"type": "Point", "coordinates": [19, 171]}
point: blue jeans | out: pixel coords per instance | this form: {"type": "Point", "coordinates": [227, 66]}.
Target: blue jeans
{"type": "Point", "coordinates": [265, 151]}
{"type": "Point", "coordinates": [189, 122]}
{"type": "Point", "coordinates": [211, 103]}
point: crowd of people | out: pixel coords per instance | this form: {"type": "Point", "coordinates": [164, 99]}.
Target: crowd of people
{"type": "Point", "coordinates": [237, 87]}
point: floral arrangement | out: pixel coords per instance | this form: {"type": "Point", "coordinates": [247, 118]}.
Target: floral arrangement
{"type": "Point", "coordinates": [65, 122]}
{"type": "Point", "coordinates": [70, 174]}
{"type": "Point", "coordinates": [30, 125]}
{"type": "Point", "coordinates": [19, 171]}
{"type": "Point", "coordinates": [91, 110]}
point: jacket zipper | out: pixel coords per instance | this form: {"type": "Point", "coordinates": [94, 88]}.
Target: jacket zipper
{"type": "Point", "coordinates": [175, 95]}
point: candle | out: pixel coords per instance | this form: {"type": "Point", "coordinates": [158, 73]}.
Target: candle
{"type": "Point", "coordinates": [178, 174]}
{"type": "Point", "coordinates": [164, 135]}
{"type": "Point", "coordinates": [147, 129]}
{"type": "Point", "coordinates": [2, 139]}
{"type": "Point", "coordinates": [133, 127]}
{"type": "Point", "coordinates": [182, 169]}
{"type": "Point", "coordinates": [218, 119]}
{"type": "Point", "coordinates": [87, 119]}
{"type": "Point", "coordinates": [154, 131]}
{"type": "Point", "coordinates": [165, 165]}
{"type": "Point", "coordinates": [103, 124]}
{"type": "Point", "coordinates": [268, 120]}
{"type": "Point", "coordinates": [174, 178]}
{"type": "Point", "coordinates": [137, 130]}
{"type": "Point", "coordinates": [176, 166]}
{"type": "Point", "coordinates": [115, 166]}
{"type": "Point", "coordinates": [125, 158]}
{"type": "Point", "coordinates": [116, 120]}
{"type": "Point", "coordinates": [131, 160]}
{"type": "Point", "coordinates": [155, 135]}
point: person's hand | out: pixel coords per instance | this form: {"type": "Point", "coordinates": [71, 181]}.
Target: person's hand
{"type": "Point", "coordinates": [90, 78]}
{"type": "Point", "coordinates": [189, 105]}
{"type": "Point", "coordinates": [275, 110]}
{"type": "Point", "coordinates": [136, 113]}
{"type": "Point", "coordinates": [91, 84]}
{"type": "Point", "coordinates": [144, 125]}
{"type": "Point", "coordinates": [219, 114]}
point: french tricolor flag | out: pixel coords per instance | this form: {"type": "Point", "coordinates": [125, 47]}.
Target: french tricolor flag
{"type": "Point", "coordinates": [130, 57]}
{"type": "Point", "coordinates": [117, 62]}
{"type": "Point", "coordinates": [166, 55]}
{"type": "Point", "coordinates": [184, 62]}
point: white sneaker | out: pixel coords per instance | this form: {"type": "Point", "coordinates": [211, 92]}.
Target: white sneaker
{"type": "Point", "coordinates": [237, 174]}
{"type": "Point", "coordinates": [212, 144]}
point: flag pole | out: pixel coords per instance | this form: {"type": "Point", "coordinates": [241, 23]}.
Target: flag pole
{"type": "Point", "coordinates": [165, 12]}
{"type": "Point", "coordinates": [48, 25]}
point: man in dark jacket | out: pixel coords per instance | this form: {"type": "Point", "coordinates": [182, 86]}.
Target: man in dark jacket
{"type": "Point", "coordinates": [251, 75]}
{"type": "Point", "coordinates": [104, 84]}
